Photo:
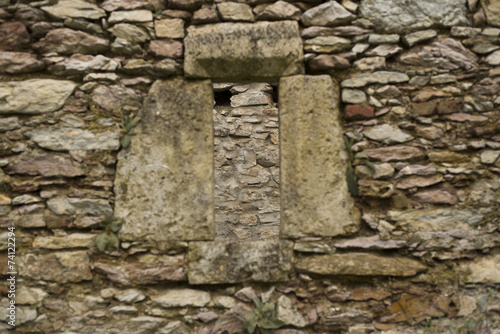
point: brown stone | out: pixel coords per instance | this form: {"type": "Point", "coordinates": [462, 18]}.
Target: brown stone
{"type": "Point", "coordinates": [19, 62]}
{"type": "Point", "coordinates": [395, 153]}
{"type": "Point", "coordinates": [379, 189]}
{"type": "Point", "coordinates": [146, 270]}
{"type": "Point", "coordinates": [67, 41]}
{"type": "Point", "coordinates": [450, 157]}
{"type": "Point", "coordinates": [429, 132]}
{"type": "Point", "coordinates": [366, 293]}
{"type": "Point", "coordinates": [354, 111]}
{"type": "Point", "coordinates": [427, 93]}
{"type": "Point", "coordinates": [487, 86]}
{"type": "Point", "coordinates": [448, 107]}
{"type": "Point", "coordinates": [437, 196]}
{"type": "Point", "coordinates": [464, 117]}
{"type": "Point", "coordinates": [419, 181]}
{"type": "Point", "coordinates": [166, 48]}
{"type": "Point", "coordinates": [424, 108]}
{"type": "Point", "coordinates": [13, 36]}
{"type": "Point", "coordinates": [47, 166]}
{"type": "Point", "coordinates": [112, 5]}
{"type": "Point", "coordinates": [205, 15]}
{"type": "Point", "coordinates": [324, 62]}
{"type": "Point", "coordinates": [410, 307]}
{"type": "Point", "coordinates": [189, 5]}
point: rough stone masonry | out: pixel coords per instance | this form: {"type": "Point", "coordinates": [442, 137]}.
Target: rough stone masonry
{"type": "Point", "coordinates": [248, 198]}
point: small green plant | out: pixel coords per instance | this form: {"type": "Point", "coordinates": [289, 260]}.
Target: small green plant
{"type": "Point", "coordinates": [262, 318]}
{"type": "Point", "coordinates": [352, 179]}
{"type": "Point", "coordinates": [128, 124]}
{"type": "Point", "coordinates": [109, 238]}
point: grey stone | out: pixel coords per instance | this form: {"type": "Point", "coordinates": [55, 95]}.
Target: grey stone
{"type": "Point", "coordinates": [75, 9]}
{"type": "Point", "coordinates": [80, 24]}
{"type": "Point", "coordinates": [264, 50]}
{"type": "Point", "coordinates": [418, 37]}
{"type": "Point", "coordinates": [78, 206]}
{"type": "Point", "coordinates": [251, 98]}
{"type": "Point", "coordinates": [130, 32]}
{"type": "Point", "coordinates": [78, 64]}
{"type": "Point", "coordinates": [68, 139]}
{"type": "Point", "coordinates": [385, 50]}
{"type": "Point", "coordinates": [19, 62]}
{"type": "Point", "coordinates": [370, 64]}
{"type": "Point", "coordinates": [489, 157]}
{"type": "Point", "coordinates": [9, 124]}
{"type": "Point", "coordinates": [62, 267]}
{"type": "Point", "coordinates": [436, 219]}
{"type": "Point", "coordinates": [387, 134]}
{"type": "Point", "coordinates": [162, 68]}
{"type": "Point", "coordinates": [29, 296]}
{"type": "Point", "coordinates": [395, 153]}
{"type": "Point", "coordinates": [443, 79]}
{"type": "Point", "coordinates": [233, 11]}
{"type": "Point", "coordinates": [129, 296]}
{"type": "Point", "coordinates": [181, 298]}
{"type": "Point", "coordinates": [23, 314]}
{"type": "Point", "coordinates": [493, 59]}
{"type": "Point", "coordinates": [359, 264]}
{"type": "Point", "coordinates": [112, 5]}
{"type": "Point", "coordinates": [170, 28]}
{"type": "Point", "coordinates": [330, 13]}
{"type": "Point", "coordinates": [124, 47]}
{"type": "Point", "coordinates": [288, 314]}
{"type": "Point", "coordinates": [464, 31]}
{"type": "Point", "coordinates": [74, 240]}
{"type": "Point", "coordinates": [380, 77]}
{"type": "Point", "coordinates": [35, 96]}
{"type": "Point", "coordinates": [130, 16]}
{"type": "Point", "coordinates": [327, 44]}
{"type": "Point", "coordinates": [309, 207]}
{"type": "Point", "coordinates": [373, 242]}
{"type": "Point", "coordinates": [353, 96]}
{"type": "Point", "coordinates": [446, 54]}
{"type": "Point", "coordinates": [422, 170]}
{"type": "Point", "coordinates": [25, 199]}
{"type": "Point", "coordinates": [232, 262]}
{"type": "Point", "coordinates": [116, 97]}
{"type": "Point", "coordinates": [383, 39]}
{"type": "Point", "coordinates": [399, 17]}
{"type": "Point", "coordinates": [175, 196]}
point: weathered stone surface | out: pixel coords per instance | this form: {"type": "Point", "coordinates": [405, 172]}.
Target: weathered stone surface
{"type": "Point", "coordinates": [493, 59]}
{"type": "Point", "coordinates": [74, 240]}
{"type": "Point", "coordinates": [436, 219]}
{"type": "Point", "coordinates": [385, 50]}
{"type": "Point", "coordinates": [162, 68]}
{"type": "Point", "coordinates": [129, 296]}
{"type": "Point", "coordinates": [387, 134]}
{"type": "Point", "coordinates": [263, 50]}
{"type": "Point", "coordinates": [130, 32]}
{"type": "Point", "coordinates": [330, 13]}
{"type": "Point", "coordinates": [288, 314]}
{"type": "Point", "coordinates": [383, 39]}
{"type": "Point", "coordinates": [79, 64]}
{"type": "Point", "coordinates": [446, 54]}
{"type": "Point", "coordinates": [484, 270]}
{"type": "Point", "coordinates": [19, 62]}
{"type": "Point", "coordinates": [437, 196]}
{"type": "Point", "coordinates": [280, 10]}
{"type": "Point", "coordinates": [35, 96]}
{"type": "Point", "coordinates": [325, 62]}
{"type": "Point", "coordinates": [182, 298]}
{"type": "Point", "coordinates": [78, 206]}
{"type": "Point", "coordinates": [489, 157]}
{"type": "Point", "coordinates": [9, 123]}
{"type": "Point", "coordinates": [131, 16]}
{"type": "Point", "coordinates": [147, 270]}
{"type": "Point", "coordinates": [464, 117]}
{"type": "Point", "coordinates": [205, 16]}
{"type": "Point", "coordinates": [353, 96]}
{"type": "Point", "coordinates": [373, 242]}
{"type": "Point", "coordinates": [418, 37]}
{"type": "Point", "coordinates": [422, 170]}
{"type": "Point", "coordinates": [13, 35]}
{"type": "Point", "coordinates": [309, 207]}
{"type": "Point", "coordinates": [232, 262]}
{"type": "Point", "coordinates": [233, 11]}
{"type": "Point", "coordinates": [395, 153]}
{"type": "Point", "coordinates": [166, 48]}
{"type": "Point", "coordinates": [419, 181]}
{"type": "Point", "coordinates": [67, 139]}
{"type": "Point", "coordinates": [75, 9]}
{"type": "Point", "coordinates": [175, 196]}
{"type": "Point", "coordinates": [170, 28]}
{"type": "Point", "coordinates": [396, 16]}
{"type": "Point", "coordinates": [359, 264]}
{"type": "Point", "coordinates": [492, 11]}
{"type": "Point", "coordinates": [112, 5]}
{"type": "Point", "coordinates": [116, 96]}
{"type": "Point", "coordinates": [62, 267]}
{"type": "Point", "coordinates": [327, 44]}
{"type": "Point", "coordinates": [359, 111]}
{"type": "Point", "coordinates": [67, 41]}
{"type": "Point", "coordinates": [380, 77]}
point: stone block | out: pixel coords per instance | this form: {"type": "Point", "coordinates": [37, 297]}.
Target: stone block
{"type": "Point", "coordinates": [234, 262]}
{"type": "Point", "coordinates": [164, 183]}
{"type": "Point", "coordinates": [314, 196]}
{"type": "Point", "coordinates": [243, 51]}
{"type": "Point", "coordinates": [359, 264]}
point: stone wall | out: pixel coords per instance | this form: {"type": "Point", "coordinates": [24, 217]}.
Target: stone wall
{"type": "Point", "coordinates": [413, 86]}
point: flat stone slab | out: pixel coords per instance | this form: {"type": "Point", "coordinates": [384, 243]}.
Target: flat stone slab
{"type": "Point", "coordinates": [243, 51]}
{"type": "Point", "coordinates": [164, 182]}
{"type": "Point", "coordinates": [35, 96]}
{"type": "Point", "coordinates": [359, 264]}
{"type": "Point", "coordinates": [233, 262]}
{"type": "Point", "coordinates": [68, 139]}
{"type": "Point", "coordinates": [314, 196]}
